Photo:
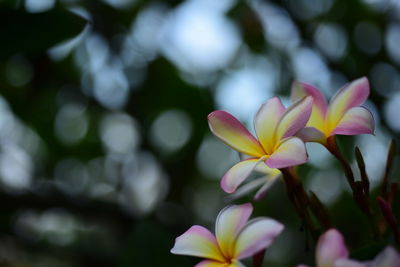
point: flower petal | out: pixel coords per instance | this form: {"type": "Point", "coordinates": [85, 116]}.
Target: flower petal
{"type": "Point", "coordinates": [229, 223]}
{"type": "Point", "coordinates": [389, 257]}
{"type": "Point", "coordinates": [349, 263]}
{"type": "Point", "coordinates": [246, 188]}
{"type": "Point", "coordinates": [262, 192]}
{"type": "Point", "coordinates": [227, 128]}
{"type": "Point", "coordinates": [199, 242]}
{"type": "Point", "coordinates": [311, 134]}
{"type": "Point", "coordinates": [349, 96]}
{"type": "Point", "coordinates": [266, 121]}
{"type": "Point", "coordinates": [263, 168]}
{"type": "Point", "coordinates": [330, 247]}
{"type": "Point", "coordinates": [290, 153]}
{"type": "Point", "coordinates": [319, 109]}
{"type": "Point", "coordinates": [236, 263]}
{"type": "Point", "coordinates": [256, 235]}
{"type": "Point", "coordinates": [294, 118]}
{"type": "Point", "coordinates": [357, 120]}
{"type": "Point", "coordinates": [211, 263]}
{"type": "Point", "coordinates": [237, 174]}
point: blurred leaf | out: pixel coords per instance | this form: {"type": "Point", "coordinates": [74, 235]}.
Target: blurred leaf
{"type": "Point", "coordinates": [368, 252]}
{"type": "Point", "coordinates": [27, 33]}
{"type": "Point", "coordinates": [150, 245]}
{"type": "Point", "coordinates": [11, 3]}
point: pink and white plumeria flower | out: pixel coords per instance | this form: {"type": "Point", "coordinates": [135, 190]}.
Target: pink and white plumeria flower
{"type": "Point", "coordinates": [343, 116]}
{"type": "Point", "coordinates": [276, 147]}
{"type": "Point", "coordinates": [236, 238]}
{"type": "Point", "coordinates": [331, 251]}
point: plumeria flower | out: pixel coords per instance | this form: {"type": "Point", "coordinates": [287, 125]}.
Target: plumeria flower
{"type": "Point", "coordinates": [343, 115]}
{"type": "Point", "coordinates": [331, 251]}
{"type": "Point", "coordinates": [276, 147]}
{"type": "Point", "coordinates": [235, 238]}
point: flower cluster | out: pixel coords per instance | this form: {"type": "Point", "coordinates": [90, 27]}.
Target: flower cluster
{"type": "Point", "coordinates": [278, 146]}
{"type": "Point", "coordinates": [282, 131]}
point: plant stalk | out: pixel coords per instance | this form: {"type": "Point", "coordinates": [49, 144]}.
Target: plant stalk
{"type": "Point", "coordinates": [358, 188]}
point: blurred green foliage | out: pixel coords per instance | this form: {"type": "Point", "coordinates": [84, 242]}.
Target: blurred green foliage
{"type": "Point", "coordinates": [88, 200]}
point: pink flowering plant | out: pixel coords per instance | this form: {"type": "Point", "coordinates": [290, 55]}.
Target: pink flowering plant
{"type": "Point", "coordinates": [236, 237]}
{"type": "Point", "coordinates": [276, 146]}
{"type": "Point", "coordinates": [343, 116]}
{"type": "Point", "coordinates": [275, 151]}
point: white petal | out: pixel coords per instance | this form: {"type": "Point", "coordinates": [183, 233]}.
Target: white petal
{"type": "Point", "coordinates": [330, 247]}
{"type": "Point", "coordinates": [230, 222]}
{"type": "Point", "coordinates": [256, 235]}
{"type": "Point", "coordinates": [199, 242]}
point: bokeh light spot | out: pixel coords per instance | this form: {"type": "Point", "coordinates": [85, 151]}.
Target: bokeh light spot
{"type": "Point", "coordinates": [331, 40]}
{"type": "Point", "coordinates": [120, 3]}
{"type": "Point", "coordinates": [171, 130]}
{"type": "Point", "coordinates": [385, 79]}
{"type": "Point", "coordinates": [37, 6]}
{"type": "Point", "coordinates": [241, 92]}
{"type": "Point", "coordinates": [367, 37]}
{"type": "Point", "coordinates": [391, 111]}
{"type": "Point", "coordinates": [279, 28]}
{"type": "Point", "coordinates": [119, 133]}
{"type": "Point", "coordinates": [144, 186]}
{"type": "Point", "coordinates": [392, 42]}
{"type": "Point", "coordinates": [327, 184]}
{"type": "Point", "coordinates": [16, 167]}
{"type": "Point", "coordinates": [308, 9]}
{"type": "Point", "coordinates": [214, 158]}
{"type": "Point", "coordinates": [72, 122]}
{"type": "Point", "coordinates": [197, 37]}
{"type": "Point", "coordinates": [309, 66]}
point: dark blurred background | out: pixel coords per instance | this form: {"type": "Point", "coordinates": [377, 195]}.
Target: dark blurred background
{"type": "Point", "coordinates": [105, 152]}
